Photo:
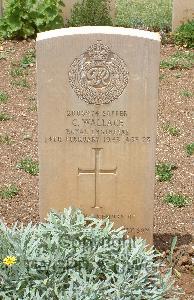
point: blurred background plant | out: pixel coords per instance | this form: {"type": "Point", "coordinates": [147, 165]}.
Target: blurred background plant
{"type": "Point", "coordinates": [145, 14]}
{"type": "Point", "coordinates": [90, 13]}
{"type": "Point", "coordinates": [184, 35]}
{"type": "Point", "coordinates": [24, 18]}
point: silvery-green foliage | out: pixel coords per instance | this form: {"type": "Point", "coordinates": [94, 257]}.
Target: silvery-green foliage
{"type": "Point", "coordinates": [145, 14]}
{"type": "Point", "coordinates": [72, 257]}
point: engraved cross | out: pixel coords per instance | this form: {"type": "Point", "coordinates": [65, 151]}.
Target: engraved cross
{"type": "Point", "coordinates": [96, 172]}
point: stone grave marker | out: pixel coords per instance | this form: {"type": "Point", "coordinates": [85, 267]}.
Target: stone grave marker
{"type": "Point", "coordinates": [97, 103]}
{"type": "Point", "coordinates": [183, 11]}
{"type": "Point", "coordinates": [68, 7]}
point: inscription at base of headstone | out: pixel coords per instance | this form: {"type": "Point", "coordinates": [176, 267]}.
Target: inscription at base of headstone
{"type": "Point", "coordinates": [97, 93]}
{"type": "Point", "coordinates": [183, 11]}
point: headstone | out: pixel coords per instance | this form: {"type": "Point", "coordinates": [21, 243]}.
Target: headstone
{"type": "Point", "coordinates": [68, 7]}
{"type": "Point", "coordinates": [70, 3]}
{"type": "Point", "coordinates": [183, 11]}
{"type": "Point", "coordinates": [97, 93]}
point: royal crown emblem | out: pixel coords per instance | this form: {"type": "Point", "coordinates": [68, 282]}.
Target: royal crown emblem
{"type": "Point", "coordinates": [98, 76]}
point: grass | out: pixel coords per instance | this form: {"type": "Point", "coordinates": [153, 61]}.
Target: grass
{"type": "Point", "coordinates": [33, 104]}
{"type": "Point", "coordinates": [164, 171]}
{"type": "Point", "coordinates": [21, 83]}
{"type": "Point", "coordinates": [172, 130]}
{"type": "Point", "coordinates": [178, 75]}
{"type": "Point", "coordinates": [3, 97]}
{"type": "Point", "coordinates": [8, 192]}
{"type": "Point", "coordinates": [162, 76]}
{"type": "Point", "coordinates": [3, 56]}
{"type": "Point", "coordinates": [27, 136]}
{"type": "Point", "coordinates": [29, 166]}
{"type": "Point", "coordinates": [32, 98]}
{"type": "Point", "coordinates": [179, 60]}
{"type": "Point", "coordinates": [186, 93]}
{"type": "Point", "coordinates": [4, 116]}
{"type": "Point", "coordinates": [19, 69]}
{"type": "Point", "coordinates": [4, 53]}
{"type": "Point", "coordinates": [172, 248]}
{"type": "Point", "coordinates": [145, 14]}
{"type": "Point", "coordinates": [190, 149]}
{"type": "Point", "coordinates": [15, 63]}
{"type": "Point", "coordinates": [33, 107]}
{"type": "Point", "coordinates": [177, 200]}
{"type": "Point", "coordinates": [16, 72]}
{"type": "Point", "coordinates": [28, 59]}
{"type": "Point", "coordinates": [183, 36]}
{"type": "Point", "coordinates": [5, 139]}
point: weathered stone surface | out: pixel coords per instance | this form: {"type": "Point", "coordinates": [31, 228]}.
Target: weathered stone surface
{"type": "Point", "coordinates": [183, 11]}
{"type": "Point", "coordinates": [97, 94]}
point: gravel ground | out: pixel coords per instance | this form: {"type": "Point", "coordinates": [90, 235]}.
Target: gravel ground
{"type": "Point", "coordinates": [175, 108]}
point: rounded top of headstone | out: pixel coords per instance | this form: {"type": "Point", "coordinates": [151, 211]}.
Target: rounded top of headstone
{"type": "Point", "coordinates": [98, 30]}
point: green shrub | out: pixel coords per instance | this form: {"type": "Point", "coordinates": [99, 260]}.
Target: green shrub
{"type": "Point", "coordinates": [24, 18]}
{"type": "Point", "coordinates": [184, 35]}
{"type": "Point", "coordinates": [28, 59]}
{"type": "Point", "coordinates": [3, 97]}
{"type": "Point", "coordinates": [190, 149]}
{"type": "Point", "coordinates": [145, 14]}
{"type": "Point", "coordinates": [177, 200]}
{"type": "Point", "coordinates": [4, 116]}
{"type": "Point", "coordinates": [75, 258]}
{"type": "Point", "coordinates": [16, 72]}
{"type": "Point", "coordinates": [8, 192]}
{"type": "Point", "coordinates": [5, 139]}
{"type": "Point", "coordinates": [21, 83]}
{"type": "Point", "coordinates": [2, 55]}
{"type": "Point", "coordinates": [186, 93]}
{"type": "Point", "coordinates": [179, 60]}
{"type": "Point", "coordinates": [172, 130]}
{"type": "Point", "coordinates": [90, 12]}
{"type": "Point", "coordinates": [29, 166]}
{"type": "Point", "coordinates": [164, 171]}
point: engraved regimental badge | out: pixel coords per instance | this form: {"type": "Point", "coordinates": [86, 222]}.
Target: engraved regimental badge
{"type": "Point", "coordinates": [98, 76]}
